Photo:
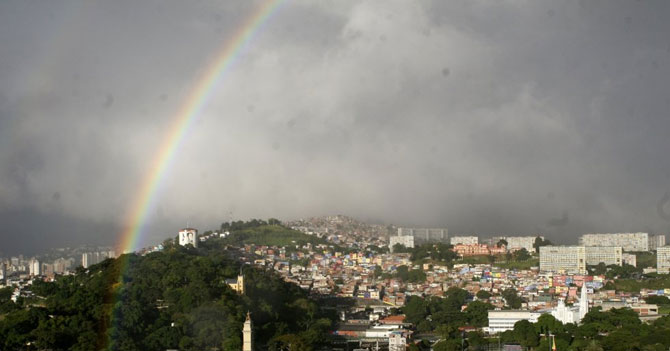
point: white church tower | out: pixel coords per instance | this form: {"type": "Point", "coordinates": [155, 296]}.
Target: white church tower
{"type": "Point", "coordinates": [247, 336]}
{"type": "Point", "coordinates": [583, 303]}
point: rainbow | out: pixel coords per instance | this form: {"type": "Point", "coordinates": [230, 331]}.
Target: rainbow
{"type": "Point", "coordinates": [191, 108]}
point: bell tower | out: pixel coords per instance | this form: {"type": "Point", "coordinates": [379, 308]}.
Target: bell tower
{"type": "Point", "coordinates": [247, 336]}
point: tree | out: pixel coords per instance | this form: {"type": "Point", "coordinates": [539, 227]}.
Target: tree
{"type": "Point", "coordinates": [511, 298]}
{"type": "Point", "coordinates": [483, 295]}
{"type": "Point", "coordinates": [525, 333]}
{"type": "Point", "coordinates": [501, 243]}
{"type": "Point", "coordinates": [540, 242]}
{"type": "Point", "coordinates": [521, 255]}
{"type": "Point", "coordinates": [657, 300]}
{"type": "Point", "coordinates": [477, 313]}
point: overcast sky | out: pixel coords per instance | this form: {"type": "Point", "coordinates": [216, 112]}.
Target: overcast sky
{"type": "Point", "coordinates": [488, 117]}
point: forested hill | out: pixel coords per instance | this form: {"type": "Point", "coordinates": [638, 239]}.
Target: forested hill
{"type": "Point", "coordinates": [269, 233]}
{"type": "Point", "coordinates": [174, 299]}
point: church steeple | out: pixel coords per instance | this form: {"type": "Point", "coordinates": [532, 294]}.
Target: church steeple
{"type": "Point", "coordinates": [583, 303]}
{"type": "Point", "coordinates": [247, 335]}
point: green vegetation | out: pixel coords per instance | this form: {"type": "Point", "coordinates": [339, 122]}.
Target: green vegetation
{"type": "Point", "coordinates": [650, 281]}
{"type": "Point", "coordinates": [539, 242]}
{"type": "Point", "coordinates": [175, 299]}
{"type": "Point", "coordinates": [434, 313]}
{"type": "Point", "coordinates": [519, 265]}
{"type": "Point", "coordinates": [645, 259]}
{"type": "Point", "coordinates": [614, 330]}
{"type": "Point", "coordinates": [267, 234]}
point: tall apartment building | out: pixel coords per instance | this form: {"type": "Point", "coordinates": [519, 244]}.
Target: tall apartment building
{"type": "Point", "coordinates": [663, 259]}
{"type": "Point", "coordinates": [90, 258]}
{"type": "Point", "coordinates": [188, 236]}
{"type": "Point", "coordinates": [35, 267]}
{"type": "Point", "coordinates": [517, 242]}
{"type": "Point", "coordinates": [404, 240]}
{"type": "Point", "coordinates": [656, 241]}
{"type": "Point", "coordinates": [425, 235]}
{"type": "Point", "coordinates": [570, 259]}
{"type": "Point", "coordinates": [604, 254]}
{"type": "Point", "coordinates": [628, 241]}
{"type": "Point", "coordinates": [465, 240]}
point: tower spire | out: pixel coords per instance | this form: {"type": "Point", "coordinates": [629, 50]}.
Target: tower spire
{"type": "Point", "coordinates": [583, 303]}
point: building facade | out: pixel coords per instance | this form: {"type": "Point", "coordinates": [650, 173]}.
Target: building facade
{"type": "Point", "coordinates": [425, 235]}
{"type": "Point", "coordinates": [188, 236]}
{"type": "Point", "coordinates": [478, 250]}
{"type": "Point", "coordinates": [467, 240]}
{"type": "Point", "coordinates": [517, 242]}
{"type": "Point", "coordinates": [397, 341]}
{"type": "Point", "coordinates": [404, 240]}
{"type": "Point", "coordinates": [569, 259]}
{"type": "Point", "coordinates": [501, 321]}
{"type": "Point", "coordinates": [629, 258]}
{"type": "Point", "coordinates": [628, 241]}
{"type": "Point", "coordinates": [663, 259]}
{"type": "Point", "coordinates": [35, 268]}
{"type": "Point", "coordinates": [656, 241]}
{"type": "Point", "coordinates": [604, 254]}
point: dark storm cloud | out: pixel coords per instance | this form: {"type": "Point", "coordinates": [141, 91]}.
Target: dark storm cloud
{"type": "Point", "coordinates": [489, 117]}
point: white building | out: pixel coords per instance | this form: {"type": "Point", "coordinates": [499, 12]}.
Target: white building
{"type": "Point", "coordinates": [466, 240]}
{"type": "Point", "coordinates": [35, 267]}
{"type": "Point", "coordinates": [604, 254]}
{"type": "Point", "coordinates": [405, 240]}
{"type": "Point", "coordinates": [188, 236]}
{"type": "Point", "coordinates": [628, 241]}
{"type": "Point", "coordinates": [425, 235]}
{"type": "Point", "coordinates": [569, 259]}
{"type": "Point", "coordinates": [500, 321]}
{"type": "Point", "coordinates": [568, 314]}
{"type": "Point", "coordinates": [3, 270]}
{"type": "Point", "coordinates": [397, 341]}
{"type": "Point", "coordinates": [517, 242]}
{"type": "Point", "coordinates": [629, 258]}
{"type": "Point", "coordinates": [663, 259]}
{"type": "Point", "coordinates": [656, 241]}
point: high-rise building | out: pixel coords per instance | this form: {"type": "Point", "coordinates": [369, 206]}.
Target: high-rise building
{"type": "Point", "coordinates": [404, 240]}
{"type": "Point", "coordinates": [604, 254]}
{"type": "Point", "coordinates": [35, 267]}
{"type": "Point", "coordinates": [425, 235]}
{"type": "Point", "coordinates": [517, 242]}
{"type": "Point", "coordinates": [569, 259]}
{"type": "Point", "coordinates": [3, 270]}
{"type": "Point", "coordinates": [247, 335]}
{"type": "Point", "coordinates": [656, 241]}
{"type": "Point", "coordinates": [188, 236]}
{"type": "Point", "coordinates": [628, 241]}
{"type": "Point", "coordinates": [466, 240]}
{"type": "Point", "coordinates": [663, 259]}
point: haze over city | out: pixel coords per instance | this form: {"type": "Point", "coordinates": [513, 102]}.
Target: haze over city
{"type": "Point", "coordinates": [505, 117]}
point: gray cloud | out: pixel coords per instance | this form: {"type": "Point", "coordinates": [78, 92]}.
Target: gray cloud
{"type": "Point", "coordinates": [485, 117]}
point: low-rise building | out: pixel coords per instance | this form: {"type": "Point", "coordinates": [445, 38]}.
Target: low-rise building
{"type": "Point", "coordinates": [500, 321]}
{"type": "Point", "coordinates": [467, 240]}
